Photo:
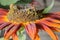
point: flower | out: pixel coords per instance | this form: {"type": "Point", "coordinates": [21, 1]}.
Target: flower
{"type": "Point", "coordinates": [14, 19]}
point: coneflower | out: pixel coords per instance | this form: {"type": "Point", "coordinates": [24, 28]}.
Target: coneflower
{"type": "Point", "coordinates": [28, 18]}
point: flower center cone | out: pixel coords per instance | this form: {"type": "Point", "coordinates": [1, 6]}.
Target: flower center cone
{"type": "Point", "coordinates": [16, 15]}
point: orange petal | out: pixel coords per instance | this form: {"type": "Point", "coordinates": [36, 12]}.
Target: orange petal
{"type": "Point", "coordinates": [56, 13]}
{"type": "Point", "coordinates": [51, 24]}
{"type": "Point", "coordinates": [53, 20]}
{"type": "Point", "coordinates": [2, 18]}
{"type": "Point", "coordinates": [1, 22]}
{"type": "Point", "coordinates": [4, 25]}
{"type": "Point", "coordinates": [3, 14]}
{"type": "Point", "coordinates": [55, 29]}
{"type": "Point", "coordinates": [32, 31]}
{"type": "Point", "coordinates": [50, 32]}
{"type": "Point", "coordinates": [8, 28]}
{"type": "Point", "coordinates": [3, 11]}
{"type": "Point", "coordinates": [14, 36]}
{"type": "Point", "coordinates": [55, 16]}
{"type": "Point", "coordinates": [11, 31]}
{"type": "Point", "coordinates": [6, 39]}
{"type": "Point", "coordinates": [37, 37]}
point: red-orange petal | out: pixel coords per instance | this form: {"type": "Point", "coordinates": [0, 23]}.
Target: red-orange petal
{"type": "Point", "coordinates": [37, 37]}
{"type": "Point", "coordinates": [12, 31]}
{"type": "Point", "coordinates": [3, 11]}
{"type": "Point", "coordinates": [14, 36]}
{"type": "Point", "coordinates": [50, 32]}
{"type": "Point", "coordinates": [8, 28]}
{"type": "Point", "coordinates": [51, 24]}
{"type": "Point", "coordinates": [32, 31]}
{"type": "Point", "coordinates": [3, 14]}
{"type": "Point", "coordinates": [55, 29]}
{"type": "Point", "coordinates": [54, 16]}
{"type": "Point", "coordinates": [4, 25]}
{"type": "Point", "coordinates": [56, 13]}
{"type": "Point", "coordinates": [53, 20]}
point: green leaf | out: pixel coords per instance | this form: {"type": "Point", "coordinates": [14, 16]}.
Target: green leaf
{"type": "Point", "coordinates": [22, 37]}
{"type": "Point", "coordinates": [46, 10]}
{"type": "Point", "coordinates": [24, 1]}
{"type": "Point", "coordinates": [7, 2]}
{"type": "Point", "coordinates": [21, 34]}
{"type": "Point", "coordinates": [1, 38]}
